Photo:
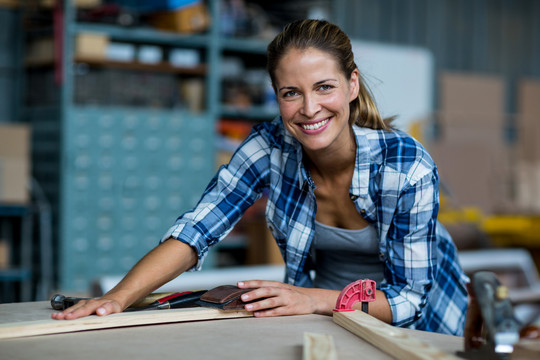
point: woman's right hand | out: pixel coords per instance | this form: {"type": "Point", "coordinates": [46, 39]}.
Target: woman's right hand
{"type": "Point", "coordinates": [164, 263]}
{"type": "Point", "coordinates": [100, 307]}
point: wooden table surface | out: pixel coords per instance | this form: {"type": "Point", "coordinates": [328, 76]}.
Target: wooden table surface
{"type": "Point", "coordinates": [242, 338]}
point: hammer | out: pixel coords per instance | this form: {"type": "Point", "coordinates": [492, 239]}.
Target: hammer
{"type": "Point", "coordinates": [61, 302]}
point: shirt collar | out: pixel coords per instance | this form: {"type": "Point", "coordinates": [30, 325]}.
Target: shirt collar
{"type": "Point", "coordinates": [360, 180]}
{"type": "Point", "coordinates": [297, 155]}
{"type": "Point", "coordinates": [304, 179]}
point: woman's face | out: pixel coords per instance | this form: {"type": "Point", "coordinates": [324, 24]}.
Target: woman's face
{"type": "Point", "coordinates": [313, 97]}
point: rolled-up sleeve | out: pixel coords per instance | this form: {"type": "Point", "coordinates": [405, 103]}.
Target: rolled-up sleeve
{"type": "Point", "coordinates": [234, 188]}
{"type": "Point", "coordinates": [411, 262]}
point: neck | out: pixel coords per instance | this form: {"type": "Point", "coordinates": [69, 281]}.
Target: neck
{"type": "Point", "coordinates": [331, 163]}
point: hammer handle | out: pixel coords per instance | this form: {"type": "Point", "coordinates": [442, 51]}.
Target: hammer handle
{"type": "Point", "coordinates": [61, 302]}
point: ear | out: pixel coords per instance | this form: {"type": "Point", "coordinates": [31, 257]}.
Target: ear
{"type": "Point", "coordinates": [354, 85]}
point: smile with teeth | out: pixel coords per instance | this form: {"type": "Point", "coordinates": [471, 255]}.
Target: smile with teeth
{"type": "Point", "coordinates": [314, 126]}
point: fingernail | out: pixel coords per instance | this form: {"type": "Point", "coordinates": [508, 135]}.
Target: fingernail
{"type": "Point", "coordinates": [100, 311]}
{"type": "Point", "coordinates": [240, 283]}
{"type": "Point", "coordinates": [245, 297]}
{"type": "Point", "coordinates": [249, 307]}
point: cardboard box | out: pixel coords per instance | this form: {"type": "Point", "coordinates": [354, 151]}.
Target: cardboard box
{"type": "Point", "coordinates": [528, 120]}
{"type": "Point", "coordinates": [527, 178]}
{"type": "Point", "coordinates": [88, 46]}
{"type": "Point", "coordinates": [471, 152]}
{"type": "Point", "coordinates": [14, 163]}
{"type": "Point", "coordinates": [476, 174]}
{"type": "Point", "coordinates": [471, 99]}
{"type": "Point", "coordinates": [91, 46]}
{"type": "Point", "coordinates": [188, 19]}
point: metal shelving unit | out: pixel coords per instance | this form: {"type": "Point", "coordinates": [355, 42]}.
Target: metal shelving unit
{"type": "Point", "coordinates": [118, 176]}
{"type": "Point", "coordinates": [253, 46]}
{"type": "Point", "coordinates": [142, 34]}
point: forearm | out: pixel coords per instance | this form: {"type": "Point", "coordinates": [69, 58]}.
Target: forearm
{"type": "Point", "coordinates": [159, 266]}
{"type": "Point", "coordinates": [378, 308]}
{"type": "Point", "coordinates": [325, 302]}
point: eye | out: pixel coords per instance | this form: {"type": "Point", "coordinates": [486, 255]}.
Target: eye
{"type": "Point", "coordinates": [289, 93]}
{"type": "Point", "coordinates": [325, 87]}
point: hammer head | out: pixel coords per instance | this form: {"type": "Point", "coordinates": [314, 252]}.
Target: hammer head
{"type": "Point", "coordinates": [60, 302]}
{"type": "Point", "coordinates": [57, 302]}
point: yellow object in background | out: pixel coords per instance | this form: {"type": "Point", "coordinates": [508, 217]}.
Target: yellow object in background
{"type": "Point", "coordinates": [513, 230]}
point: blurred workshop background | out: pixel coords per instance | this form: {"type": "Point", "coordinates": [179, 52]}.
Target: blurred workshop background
{"type": "Point", "coordinates": [116, 114]}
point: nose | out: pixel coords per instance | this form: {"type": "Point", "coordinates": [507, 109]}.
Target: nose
{"type": "Point", "coordinates": [310, 106]}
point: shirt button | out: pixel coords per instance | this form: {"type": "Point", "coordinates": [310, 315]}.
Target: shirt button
{"type": "Point", "coordinates": [353, 197]}
{"type": "Point", "coordinates": [363, 211]}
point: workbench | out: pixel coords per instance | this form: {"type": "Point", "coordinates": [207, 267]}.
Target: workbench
{"type": "Point", "coordinates": [241, 338]}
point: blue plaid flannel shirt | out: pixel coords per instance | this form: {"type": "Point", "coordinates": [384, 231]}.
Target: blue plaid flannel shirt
{"type": "Point", "coordinates": [395, 188]}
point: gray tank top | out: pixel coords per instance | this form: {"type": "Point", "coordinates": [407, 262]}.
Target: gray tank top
{"type": "Point", "coordinates": [342, 256]}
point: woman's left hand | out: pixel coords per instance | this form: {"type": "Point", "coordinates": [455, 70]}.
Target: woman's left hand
{"type": "Point", "coordinates": [273, 298]}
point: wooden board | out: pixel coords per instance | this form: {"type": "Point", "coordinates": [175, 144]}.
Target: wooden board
{"type": "Point", "coordinates": [319, 347]}
{"type": "Point", "coordinates": [45, 327]}
{"type": "Point", "coordinates": [275, 338]}
{"type": "Point", "coordinates": [387, 338]}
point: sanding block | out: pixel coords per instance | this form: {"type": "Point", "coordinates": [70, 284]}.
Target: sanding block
{"type": "Point", "coordinates": [225, 297]}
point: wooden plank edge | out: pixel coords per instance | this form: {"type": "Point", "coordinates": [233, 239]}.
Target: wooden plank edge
{"type": "Point", "coordinates": [389, 339]}
{"type": "Point", "coordinates": [94, 322]}
{"type": "Point", "coordinates": [319, 347]}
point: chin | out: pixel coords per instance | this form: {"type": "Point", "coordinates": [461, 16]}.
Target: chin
{"type": "Point", "coordinates": [315, 146]}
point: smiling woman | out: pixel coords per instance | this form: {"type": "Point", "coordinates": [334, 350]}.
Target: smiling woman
{"type": "Point", "coordinates": [348, 198]}
{"type": "Point", "coordinates": [330, 40]}
{"type": "Point", "coordinates": [314, 97]}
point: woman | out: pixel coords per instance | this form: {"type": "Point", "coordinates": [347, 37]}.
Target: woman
{"type": "Point", "coordinates": [349, 197]}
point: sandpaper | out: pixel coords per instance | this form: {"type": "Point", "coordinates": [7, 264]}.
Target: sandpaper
{"type": "Point", "coordinates": [226, 297]}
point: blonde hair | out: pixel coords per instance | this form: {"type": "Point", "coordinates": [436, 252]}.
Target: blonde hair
{"type": "Point", "coordinates": [327, 37]}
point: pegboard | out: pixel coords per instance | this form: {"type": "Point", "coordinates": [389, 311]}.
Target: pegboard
{"type": "Point", "coordinates": [126, 176]}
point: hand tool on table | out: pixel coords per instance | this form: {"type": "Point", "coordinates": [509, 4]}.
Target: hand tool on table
{"type": "Point", "coordinates": [164, 301]}
{"type": "Point", "coordinates": [225, 297]}
{"type": "Point", "coordinates": [362, 291]}
{"type": "Point", "coordinates": [61, 302]}
{"type": "Point", "coordinates": [491, 329]}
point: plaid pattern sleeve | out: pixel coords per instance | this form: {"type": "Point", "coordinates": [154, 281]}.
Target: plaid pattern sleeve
{"type": "Point", "coordinates": [234, 188]}
{"type": "Point", "coordinates": [424, 283]}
